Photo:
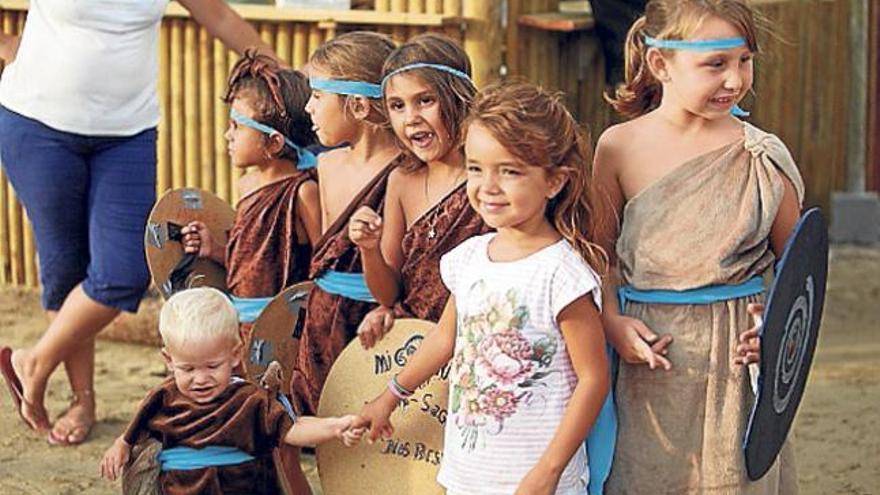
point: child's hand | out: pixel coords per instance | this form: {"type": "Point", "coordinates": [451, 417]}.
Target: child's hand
{"type": "Point", "coordinates": [538, 481]}
{"type": "Point", "coordinates": [748, 350]}
{"type": "Point", "coordinates": [197, 239]}
{"type": "Point", "coordinates": [374, 326]}
{"type": "Point", "coordinates": [636, 343]}
{"type": "Point", "coordinates": [376, 414]}
{"type": "Point", "coordinates": [353, 430]}
{"type": "Point", "coordinates": [365, 228]}
{"type": "Point", "coordinates": [115, 459]}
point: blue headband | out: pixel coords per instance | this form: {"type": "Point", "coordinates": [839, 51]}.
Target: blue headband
{"type": "Point", "coordinates": [350, 88]}
{"type": "Point", "coordinates": [696, 45]}
{"type": "Point", "coordinates": [305, 159]}
{"type": "Point", "coordinates": [420, 65]}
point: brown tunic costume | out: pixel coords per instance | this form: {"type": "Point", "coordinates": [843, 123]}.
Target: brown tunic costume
{"type": "Point", "coordinates": [264, 254]}
{"type": "Point", "coordinates": [332, 320]}
{"type": "Point", "coordinates": [244, 416]}
{"type": "Point", "coordinates": [705, 223]}
{"type": "Point", "coordinates": [436, 232]}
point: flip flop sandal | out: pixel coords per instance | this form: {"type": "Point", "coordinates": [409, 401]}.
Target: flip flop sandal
{"type": "Point", "coordinates": [52, 439]}
{"type": "Point", "coordinates": [16, 391]}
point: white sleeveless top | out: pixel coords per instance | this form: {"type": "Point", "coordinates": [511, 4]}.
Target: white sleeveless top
{"type": "Point", "coordinates": [510, 377]}
{"type": "Point", "coordinates": [87, 66]}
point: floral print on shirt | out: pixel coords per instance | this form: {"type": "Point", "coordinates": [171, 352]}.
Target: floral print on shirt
{"type": "Point", "coordinates": [495, 369]}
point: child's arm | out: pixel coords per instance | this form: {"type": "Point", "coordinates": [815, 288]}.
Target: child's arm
{"type": "Point", "coordinates": [308, 210]}
{"type": "Point", "coordinates": [581, 328]}
{"type": "Point", "coordinates": [197, 239]}
{"type": "Point", "coordinates": [435, 351]}
{"type": "Point", "coordinates": [9, 46]}
{"type": "Point", "coordinates": [309, 431]}
{"type": "Point", "coordinates": [632, 339]}
{"type": "Point", "coordinates": [379, 242]}
{"type": "Point", "coordinates": [748, 350]}
{"type": "Point", "coordinates": [115, 459]}
{"type": "Point", "coordinates": [374, 326]}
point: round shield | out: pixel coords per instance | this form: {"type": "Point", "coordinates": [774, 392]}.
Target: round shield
{"type": "Point", "coordinates": [170, 268]}
{"type": "Point", "coordinates": [789, 334]}
{"type": "Point", "coordinates": [276, 332]}
{"type": "Point", "coordinates": [406, 463]}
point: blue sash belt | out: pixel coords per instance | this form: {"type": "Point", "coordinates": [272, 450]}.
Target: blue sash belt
{"type": "Point", "coordinates": [350, 285]}
{"type": "Point", "coordinates": [186, 458]}
{"type": "Point", "coordinates": [701, 295]}
{"type": "Point", "coordinates": [249, 308]}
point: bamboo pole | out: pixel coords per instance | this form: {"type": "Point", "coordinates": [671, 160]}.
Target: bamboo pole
{"type": "Point", "coordinates": [191, 105]}
{"type": "Point", "coordinates": [16, 258]}
{"type": "Point", "coordinates": [233, 172]}
{"type": "Point", "coordinates": [284, 43]}
{"type": "Point", "coordinates": [5, 262]}
{"type": "Point", "coordinates": [178, 172]}
{"type": "Point", "coordinates": [221, 161]}
{"type": "Point", "coordinates": [300, 45]}
{"type": "Point", "coordinates": [206, 110]}
{"type": "Point", "coordinates": [29, 248]}
{"type": "Point", "coordinates": [316, 37]}
{"type": "Point", "coordinates": [163, 139]}
{"type": "Point", "coordinates": [483, 39]}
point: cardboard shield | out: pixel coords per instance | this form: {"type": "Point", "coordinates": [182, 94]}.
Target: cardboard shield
{"type": "Point", "coordinates": [789, 333]}
{"type": "Point", "coordinates": [276, 332]}
{"type": "Point", "coordinates": [406, 463]}
{"type": "Point", "coordinates": [170, 268]}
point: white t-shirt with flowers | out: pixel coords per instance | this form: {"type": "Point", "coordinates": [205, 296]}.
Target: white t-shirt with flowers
{"type": "Point", "coordinates": [510, 378]}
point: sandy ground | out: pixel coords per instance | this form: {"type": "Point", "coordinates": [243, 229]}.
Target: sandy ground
{"type": "Point", "coordinates": [838, 428]}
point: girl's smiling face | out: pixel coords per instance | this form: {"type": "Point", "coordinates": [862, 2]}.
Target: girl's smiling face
{"type": "Point", "coordinates": [707, 84]}
{"type": "Point", "coordinates": [417, 118]}
{"type": "Point", "coordinates": [504, 191]}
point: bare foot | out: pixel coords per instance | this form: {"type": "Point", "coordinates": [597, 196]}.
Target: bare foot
{"type": "Point", "coordinates": [74, 424]}
{"type": "Point", "coordinates": [32, 409]}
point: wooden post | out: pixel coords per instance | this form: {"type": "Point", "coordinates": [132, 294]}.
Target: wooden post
{"type": "Point", "coordinates": [191, 105]}
{"type": "Point", "coordinates": [206, 110]}
{"type": "Point", "coordinates": [163, 139]}
{"type": "Point", "coordinates": [221, 156]}
{"type": "Point", "coordinates": [178, 172]}
{"type": "Point", "coordinates": [873, 132]}
{"type": "Point", "coordinates": [483, 39]}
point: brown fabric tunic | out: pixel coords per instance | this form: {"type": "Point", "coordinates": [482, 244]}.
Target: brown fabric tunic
{"type": "Point", "coordinates": [244, 416]}
{"type": "Point", "coordinates": [435, 233]}
{"type": "Point", "coordinates": [264, 254]}
{"type": "Point", "coordinates": [332, 320]}
{"type": "Point", "coordinates": [705, 223]}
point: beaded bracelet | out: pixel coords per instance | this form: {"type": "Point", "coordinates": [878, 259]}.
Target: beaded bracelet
{"type": "Point", "coordinates": [398, 390]}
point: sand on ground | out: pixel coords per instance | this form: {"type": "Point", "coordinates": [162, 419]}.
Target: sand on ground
{"type": "Point", "coordinates": [837, 431]}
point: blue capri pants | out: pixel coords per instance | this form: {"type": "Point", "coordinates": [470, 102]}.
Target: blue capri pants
{"type": "Point", "coordinates": [88, 199]}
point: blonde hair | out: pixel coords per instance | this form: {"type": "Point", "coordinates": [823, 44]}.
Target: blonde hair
{"type": "Point", "coordinates": [356, 56]}
{"type": "Point", "coordinates": [454, 93]}
{"type": "Point", "coordinates": [670, 19]}
{"type": "Point", "coordinates": [536, 128]}
{"type": "Point", "coordinates": [196, 315]}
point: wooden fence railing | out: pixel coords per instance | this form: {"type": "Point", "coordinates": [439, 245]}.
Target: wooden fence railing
{"type": "Point", "coordinates": [801, 91]}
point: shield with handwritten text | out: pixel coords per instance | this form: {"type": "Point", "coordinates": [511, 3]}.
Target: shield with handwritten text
{"type": "Point", "coordinates": [172, 269]}
{"type": "Point", "coordinates": [276, 332]}
{"type": "Point", "coordinates": [406, 463]}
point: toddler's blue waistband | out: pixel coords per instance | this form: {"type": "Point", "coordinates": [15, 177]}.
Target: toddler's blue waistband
{"type": "Point", "coordinates": [186, 458]}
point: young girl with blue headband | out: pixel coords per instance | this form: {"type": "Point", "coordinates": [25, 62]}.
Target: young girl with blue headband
{"type": "Point", "coordinates": [345, 75]}
{"type": "Point", "coordinates": [704, 204]}
{"type": "Point", "coordinates": [428, 91]}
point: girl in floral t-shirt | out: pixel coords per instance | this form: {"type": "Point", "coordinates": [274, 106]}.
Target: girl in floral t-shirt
{"type": "Point", "coordinates": [522, 328]}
